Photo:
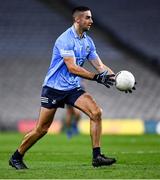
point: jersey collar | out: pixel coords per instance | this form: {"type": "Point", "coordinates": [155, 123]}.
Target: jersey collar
{"type": "Point", "coordinates": [75, 33]}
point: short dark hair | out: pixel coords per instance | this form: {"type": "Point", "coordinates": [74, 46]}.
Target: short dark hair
{"type": "Point", "coordinates": [80, 9]}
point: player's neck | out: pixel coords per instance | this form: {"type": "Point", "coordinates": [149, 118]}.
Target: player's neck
{"type": "Point", "coordinates": [78, 30]}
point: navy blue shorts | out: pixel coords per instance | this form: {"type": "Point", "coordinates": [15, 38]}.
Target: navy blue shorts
{"type": "Point", "coordinates": [53, 98]}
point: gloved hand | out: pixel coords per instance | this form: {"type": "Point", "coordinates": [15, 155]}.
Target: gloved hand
{"type": "Point", "coordinates": [130, 91]}
{"type": "Point", "coordinates": [105, 79]}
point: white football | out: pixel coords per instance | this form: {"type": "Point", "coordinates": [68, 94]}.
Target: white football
{"type": "Point", "coordinates": [124, 80]}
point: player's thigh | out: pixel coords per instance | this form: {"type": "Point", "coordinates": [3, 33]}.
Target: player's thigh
{"type": "Point", "coordinates": [45, 117]}
{"type": "Point", "coordinates": [87, 104]}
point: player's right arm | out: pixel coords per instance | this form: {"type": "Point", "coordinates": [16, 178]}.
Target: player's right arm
{"type": "Point", "coordinates": [103, 78]}
{"type": "Point", "coordinates": [77, 70]}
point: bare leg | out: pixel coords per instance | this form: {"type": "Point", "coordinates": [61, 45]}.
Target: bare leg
{"type": "Point", "coordinates": [45, 119]}
{"type": "Point", "coordinates": [94, 112]}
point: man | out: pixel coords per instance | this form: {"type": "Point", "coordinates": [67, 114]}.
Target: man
{"type": "Point", "coordinates": [61, 86]}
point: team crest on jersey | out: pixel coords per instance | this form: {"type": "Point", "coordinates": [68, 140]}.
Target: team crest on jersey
{"type": "Point", "coordinates": [87, 49]}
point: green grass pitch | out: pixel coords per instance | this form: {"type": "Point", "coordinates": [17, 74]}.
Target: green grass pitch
{"type": "Point", "coordinates": [55, 156]}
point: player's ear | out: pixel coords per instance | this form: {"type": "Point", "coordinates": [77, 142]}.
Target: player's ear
{"type": "Point", "coordinates": [77, 19]}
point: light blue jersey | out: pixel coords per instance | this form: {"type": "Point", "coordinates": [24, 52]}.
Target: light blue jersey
{"type": "Point", "coordinates": [68, 44]}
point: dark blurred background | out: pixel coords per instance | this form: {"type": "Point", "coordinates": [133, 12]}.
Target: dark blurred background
{"type": "Point", "coordinates": [126, 34]}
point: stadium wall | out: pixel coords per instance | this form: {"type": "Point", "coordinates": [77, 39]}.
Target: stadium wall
{"type": "Point", "coordinates": [109, 126]}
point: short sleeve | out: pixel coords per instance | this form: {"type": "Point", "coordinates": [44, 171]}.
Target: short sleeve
{"type": "Point", "coordinates": [65, 47]}
{"type": "Point", "coordinates": [92, 54]}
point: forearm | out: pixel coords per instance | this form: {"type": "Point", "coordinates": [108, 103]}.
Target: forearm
{"type": "Point", "coordinates": [100, 67]}
{"type": "Point", "coordinates": [82, 72]}
{"type": "Point", "coordinates": [103, 78]}
{"type": "Point", "coordinates": [103, 68]}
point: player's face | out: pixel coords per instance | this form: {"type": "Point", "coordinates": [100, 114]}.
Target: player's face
{"type": "Point", "coordinates": [85, 20]}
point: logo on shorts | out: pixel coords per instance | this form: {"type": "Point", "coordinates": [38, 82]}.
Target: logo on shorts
{"type": "Point", "coordinates": [54, 101]}
{"type": "Point", "coordinates": [44, 99]}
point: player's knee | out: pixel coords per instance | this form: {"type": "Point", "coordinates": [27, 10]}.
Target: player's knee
{"type": "Point", "coordinates": [96, 114]}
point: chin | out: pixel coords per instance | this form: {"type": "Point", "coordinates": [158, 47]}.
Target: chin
{"type": "Point", "coordinates": [86, 29]}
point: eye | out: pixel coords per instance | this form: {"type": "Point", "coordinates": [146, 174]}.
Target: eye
{"type": "Point", "coordinates": [88, 17]}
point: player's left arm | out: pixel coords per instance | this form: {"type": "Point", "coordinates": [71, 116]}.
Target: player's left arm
{"type": "Point", "coordinates": [95, 60]}
{"type": "Point", "coordinates": [100, 66]}
{"type": "Point", "coordinates": [105, 74]}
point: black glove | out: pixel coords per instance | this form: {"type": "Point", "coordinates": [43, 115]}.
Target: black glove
{"type": "Point", "coordinates": [105, 79]}
{"type": "Point", "coordinates": [130, 91]}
